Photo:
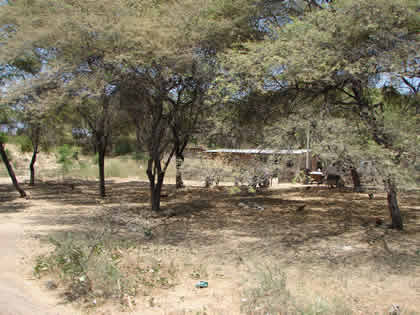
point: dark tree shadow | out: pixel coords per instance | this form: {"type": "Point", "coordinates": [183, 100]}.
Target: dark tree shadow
{"type": "Point", "coordinates": [203, 219]}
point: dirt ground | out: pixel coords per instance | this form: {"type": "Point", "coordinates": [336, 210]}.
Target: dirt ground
{"type": "Point", "coordinates": [326, 242]}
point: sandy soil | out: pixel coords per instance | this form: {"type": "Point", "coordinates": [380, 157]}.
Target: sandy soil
{"type": "Point", "coordinates": [19, 293]}
{"type": "Point", "coordinates": [332, 248]}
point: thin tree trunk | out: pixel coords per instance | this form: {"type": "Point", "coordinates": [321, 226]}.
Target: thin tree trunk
{"type": "Point", "coordinates": [10, 171]}
{"type": "Point", "coordinates": [156, 176]}
{"type": "Point", "coordinates": [179, 162]}
{"type": "Point", "coordinates": [394, 209]}
{"type": "Point", "coordinates": [101, 165]}
{"type": "Point", "coordinates": [35, 143]}
{"type": "Point", "coordinates": [356, 180]}
{"type": "Point", "coordinates": [156, 193]}
{"type": "Point", "coordinates": [32, 166]}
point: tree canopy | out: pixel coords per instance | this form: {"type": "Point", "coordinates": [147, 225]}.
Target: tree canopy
{"type": "Point", "coordinates": [249, 72]}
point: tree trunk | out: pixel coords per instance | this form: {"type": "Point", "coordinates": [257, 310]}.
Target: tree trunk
{"type": "Point", "coordinates": [179, 162]}
{"type": "Point", "coordinates": [394, 209]}
{"type": "Point", "coordinates": [35, 142]}
{"type": "Point", "coordinates": [156, 176]}
{"type": "Point", "coordinates": [356, 180]}
{"type": "Point", "coordinates": [32, 166]}
{"type": "Point", "coordinates": [10, 171]}
{"type": "Point", "coordinates": [155, 190]}
{"type": "Point", "coordinates": [156, 194]}
{"type": "Point", "coordinates": [101, 165]}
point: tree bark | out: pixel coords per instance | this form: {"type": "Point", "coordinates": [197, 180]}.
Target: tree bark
{"type": "Point", "coordinates": [35, 143]}
{"type": "Point", "coordinates": [356, 180]}
{"type": "Point", "coordinates": [156, 193]}
{"type": "Point", "coordinates": [394, 209]}
{"type": "Point", "coordinates": [10, 171]}
{"type": "Point", "coordinates": [101, 165]}
{"type": "Point", "coordinates": [179, 162]}
{"type": "Point", "coordinates": [32, 167]}
{"type": "Point", "coordinates": [156, 176]}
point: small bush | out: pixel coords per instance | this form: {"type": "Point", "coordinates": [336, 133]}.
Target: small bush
{"type": "Point", "coordinates": [300, 177]}
{"type": "Point", "coordinates": [234, 190]}
{"type": "Point", "coordinates": [272, 296]}
{"type": "Point", "coordinates": [24, 143]}
{"type": "Point", "coordinates": [3, 137]}
{"type": "Point", "coordinates": [65, 157]}
{"type": "Point", "coordinates": [124, 146]}
{"type": "Point", "coordinates": [140, 156]}
{"type": "Point", "coordinates": [87, 268]}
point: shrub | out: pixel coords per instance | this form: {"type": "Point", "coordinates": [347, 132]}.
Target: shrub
{"type": "Point", "coordinates": [271, 296]}
{"type": "Point", "coordinates": [140, 156]}
{"type": "Point", "coordinates": [3, 137]}
{"type": "Point", "coordinates": [86, 267]}
{"type": "Point", "coordinates": [65, 157]}
{"type": "Point", "coordinates": [234, 190]}
{"type": "Point", "coordinates": [124, 146]}
{"type": "Point", "coordinates": [25, 143]}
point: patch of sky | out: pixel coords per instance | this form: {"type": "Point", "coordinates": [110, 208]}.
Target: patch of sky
{"type": "Point", "coordinates": [110, 89]}
{"type": "Point", "coordinates": [272, 82]}
{"type": "Point", "coordinates": [84, 68]}
{"type": "Point", "coordinates": [390, 79]}
{"type": "Point", "coordinates": [238, 95]}
{"type": "Point", "coordinates": [79, 132]}
{"type": "Point", "coordinates": [45, 54]}
{"type": "Point", "coordinates": [269, 25]}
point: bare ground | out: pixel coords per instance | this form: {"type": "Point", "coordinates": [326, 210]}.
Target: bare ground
{"type": "Point", "coordinates": [330, 249]}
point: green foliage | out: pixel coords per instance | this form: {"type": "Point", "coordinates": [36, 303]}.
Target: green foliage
{"type": "Point", "coordinates": [3, 138]}
{"type": "Point", "coordinates": [65, 157]}
{"type": "Point", "coordinates": [28, 63]}
{"type": "Point", "coordinates": [124, 146]}
{"type": "Point", "coordinates": [234, 190]}
{"type": "Point", "coordinates": [86, 267]}
{"type": "Point", "coordinates": [300, 177]}
{"type": "Point", "coordinates": [24, 142]}
{"type": "Point", "coordinates": [139, 156]}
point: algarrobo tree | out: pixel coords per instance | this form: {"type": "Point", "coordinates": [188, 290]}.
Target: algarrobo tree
{"type": "Point", "coordinates": [11, 69]}
{"type": "Point", "coordinates": [334, 57]}
{"type": "Point", "coordinates": [39, 116]}
{"type": "Point", "coordinates": [146, 95]}
{"type": "Point", "coordinates": [133, 38]}
{"type": "Point", "coordinates": [9, 167]}
{"type": "Point", "coordinates": [94, 98]}
{"type": "Point", "coordinates": [191, 107]}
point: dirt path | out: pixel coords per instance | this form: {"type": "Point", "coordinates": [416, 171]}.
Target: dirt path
{"type": "Point", "coordinates": [330, 250]}
{"type": "Point", "coordinates": [19, 295]}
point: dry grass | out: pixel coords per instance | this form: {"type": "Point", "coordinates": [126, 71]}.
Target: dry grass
{"type": "Point", "coordinates": [85, 168]}
{"type": "Point", "coordinates": [329, 258]}
{"type": "Point", "coordinates": [260, 254]}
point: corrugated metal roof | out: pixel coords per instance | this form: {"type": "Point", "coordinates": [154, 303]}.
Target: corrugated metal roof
{"type": "Point", "coordinates": [258, 151]}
